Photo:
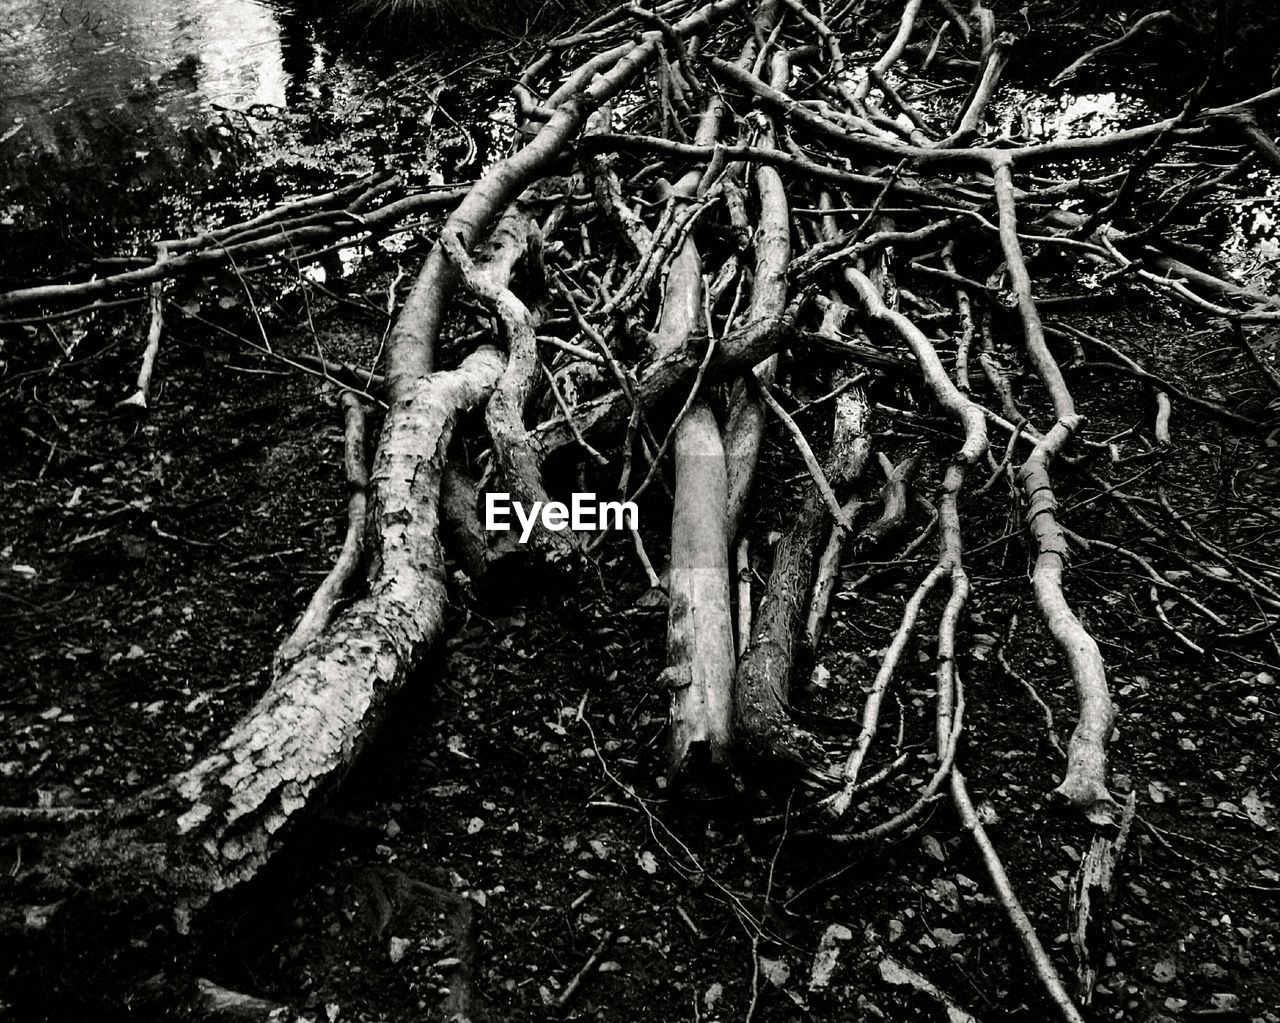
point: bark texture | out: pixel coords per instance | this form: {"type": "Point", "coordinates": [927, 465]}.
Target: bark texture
{"type": "Point", "coordinates": [700, 654]}
{"type": "Point", "coordinates": [700, 651]}
{"type": "Point", "coordinates": [214, 825]}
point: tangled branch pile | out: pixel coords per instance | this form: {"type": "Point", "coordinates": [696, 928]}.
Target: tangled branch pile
{"type": "Point", "coordinates": [707, 211]}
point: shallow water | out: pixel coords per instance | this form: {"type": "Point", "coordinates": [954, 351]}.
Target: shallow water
{"type": "Point", "coordinates": [124, 120]}
{"type": "Point", "coordinates": [91, 55]}
{"type": "Point", "coordinates": [121, 120]}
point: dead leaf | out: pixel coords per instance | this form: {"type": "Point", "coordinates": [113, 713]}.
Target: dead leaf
{"type": "Point", "coordinates": [827, 957]}
{"type": "Point", "coordinates": [947, 938]}
{"type": "Point", "coordinates": [775, 971]}
{"type": "Point", "coordinates": [893, 972]}
{"type": "Point", "coordinates": [1254, 807]}
{"type": "Point", "coordinates": [945, 892]}
{"type": "Point", "coordinates": [983, 644]}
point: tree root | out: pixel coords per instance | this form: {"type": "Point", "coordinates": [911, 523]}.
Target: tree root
{"type": "Point", "coordinates": [700, 648]}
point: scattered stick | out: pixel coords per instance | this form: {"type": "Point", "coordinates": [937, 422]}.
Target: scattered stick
{"type": "Point", "coordinates": [1018, 919]}
{"type": "Point", "coordinates": [320, 610]}
{"type": "Point", "coordinates": [142, 394]}
{"type": "Point", "coordinates": [1003, 660]}
{"type": "Point", "coordinates": [575, 982]}
{"type": "Point", "coordinates": [743, 564]}
{"type": "Point", "coordinates": [1265, 369]}
{"type": "Point", "coordinates": [1146, 21]}
{"type": "Point", "coordinates": [43, 818]}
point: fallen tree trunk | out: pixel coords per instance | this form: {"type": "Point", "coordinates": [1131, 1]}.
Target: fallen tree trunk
{"type": "Point", "coordinates": [700, 651]}
{"type": "Point", "coordinates": [215, 824]}
{"type": "Point", "coordinates": [762, 695]}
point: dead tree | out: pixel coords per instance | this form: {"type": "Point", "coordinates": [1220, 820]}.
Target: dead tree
{"type": "Point", "coordinates": [661, 194]}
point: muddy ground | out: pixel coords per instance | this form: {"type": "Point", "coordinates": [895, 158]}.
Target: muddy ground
{"type": "Point", "coordinates": [150, 566]}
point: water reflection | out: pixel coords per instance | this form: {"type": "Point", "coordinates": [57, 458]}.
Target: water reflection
{"type": "Point", "coordinates": [1237, 225]}
{"type": "Point", "coordinates": [121, 120]}
{"type": "Point", "coordinates": [1252, 249]}
{"type": "Point", "coordinates": [101, 54]}
{"type": "Point", "coordinates": [109, 113]}
{"type": "Point", "coordinates": [1043, 117]}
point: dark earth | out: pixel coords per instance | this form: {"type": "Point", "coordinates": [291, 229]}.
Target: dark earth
{"type": "Point", "coordinates": [150, 566]}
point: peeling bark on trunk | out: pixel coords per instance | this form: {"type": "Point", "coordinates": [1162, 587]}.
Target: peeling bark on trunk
{"type": "Point", "coordinates": [700, 651]}
{"type": "Point", "coordinates": [762, 695]}
{"type": "Point", "coordinates": [1092, 892]}
{"type": "Point", "coordinates": [214, 825]}
{"type": "Point", "coordinates": [700, 654]}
